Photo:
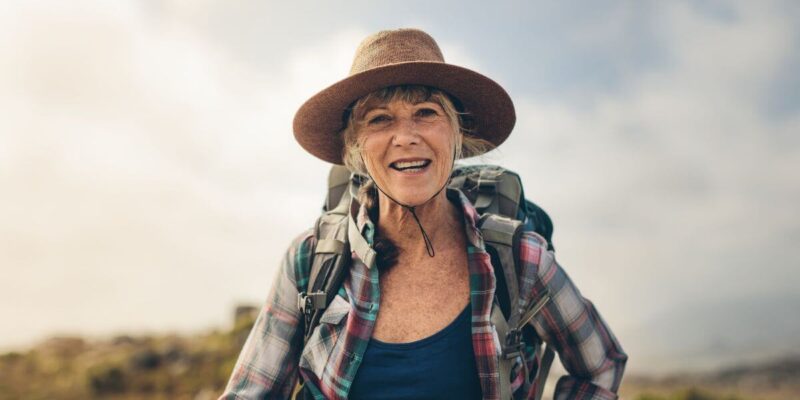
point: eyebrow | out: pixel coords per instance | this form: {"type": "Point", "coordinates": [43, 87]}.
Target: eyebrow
{"type": "Point", "coordinates": [383, 107]}
{"type": "Point", "coordinates": [367, 111]}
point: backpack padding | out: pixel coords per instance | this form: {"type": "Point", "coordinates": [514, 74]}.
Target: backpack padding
{"type": "Point", "coordinates": [500, 234]}
{"type": "Point", "coordinates": [490, 189]}
{"type": "Point", "coordinates": [328, 269]}
{"type": "Point", "coordinates": [338, 182]}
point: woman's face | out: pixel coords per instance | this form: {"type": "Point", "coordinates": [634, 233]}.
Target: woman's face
{"type": "Point", "coordinates": [408, 149]}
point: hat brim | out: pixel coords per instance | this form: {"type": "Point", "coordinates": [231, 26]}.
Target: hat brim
{"type": "Point", "coordinates": [319, 120]}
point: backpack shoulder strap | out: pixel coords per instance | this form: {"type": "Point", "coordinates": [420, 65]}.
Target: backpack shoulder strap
{"type": "Point", "coordinates": [328, 268]}
{"type": "Point", "coordinates": [502, 237]}
{"type": "Point", "coordinates": [331, 257]}
{"type": "Point", "coordinates": [499, 234]}
{"type": "Point", "coordinates": [496, 190]}
{"type": "Point", "coordinates": [339, 179]}
{"type": "Point", "coordinates": [499, 237]}
{"type": "Point", "coordinates": [343, 185]}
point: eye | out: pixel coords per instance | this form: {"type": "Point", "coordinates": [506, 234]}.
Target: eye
{"type": "Point", "coordinates": [426, 112]}
{"type": "Point", "coordinates": [378, 119]}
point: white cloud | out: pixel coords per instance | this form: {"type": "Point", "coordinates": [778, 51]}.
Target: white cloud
{"type": "Point", "coordinates": [142, 168]}
{"type": "Point", "coordinates": [673, 191]}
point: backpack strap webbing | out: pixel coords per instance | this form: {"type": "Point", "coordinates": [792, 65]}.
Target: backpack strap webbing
{"type": "Point", "coordinates": [501, 236]}
{"type": "Point", "coordinates": [505, 364]}
{"type": "Point", "coordinates": [328, 269]}
{"type": "Point", "coordinates": [327, 273]}
{"type": "Point", "coordinates": [544, 370]}
{"type": "Point", "coordinates": [331, 252]}
{"type": "Point", "coordinates": [500, 233]}
{"type": "Point", "coordinates": [331, 255]}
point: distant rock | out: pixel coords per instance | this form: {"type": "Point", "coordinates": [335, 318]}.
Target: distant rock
{"type": "Point", "coordinates": [63, 346]}
{"type": "Point", "coordinates": [144, 360]}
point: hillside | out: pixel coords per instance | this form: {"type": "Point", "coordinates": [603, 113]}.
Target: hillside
{"type": "Point", "coordinates": [197, 368]}
{"type": "Point", "coordinates": [770, 380]}
{"type": "Point", "coordinates": [125, 367]}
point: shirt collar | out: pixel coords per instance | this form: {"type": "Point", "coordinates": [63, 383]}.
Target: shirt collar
{"type": "Point", "coordinates": [362, 228]}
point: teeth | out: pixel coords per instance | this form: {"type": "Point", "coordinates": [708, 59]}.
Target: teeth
{"type": "Point", "coordinates": [410, 164]}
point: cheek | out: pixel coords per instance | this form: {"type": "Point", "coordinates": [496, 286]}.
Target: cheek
{"type": "Point", "coordinates": [370, 156]}
{"type": "Point", "coordinates": [446, 147]}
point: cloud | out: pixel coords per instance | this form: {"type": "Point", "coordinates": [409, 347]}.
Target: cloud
{"type": "Point", "coordinates": [139, 164]}
{"type": "Point", "coordinates": [680, 189]}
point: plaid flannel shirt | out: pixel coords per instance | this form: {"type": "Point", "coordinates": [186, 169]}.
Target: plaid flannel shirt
{"type": "Point", "coordinates": [274, 357]}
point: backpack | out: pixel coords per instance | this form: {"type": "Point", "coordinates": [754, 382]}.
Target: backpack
{"type": "Point", "coordinates": [504, 213]}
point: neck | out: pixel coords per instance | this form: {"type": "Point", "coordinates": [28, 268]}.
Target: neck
{"type": "Point", "coordinates": [439, 217]}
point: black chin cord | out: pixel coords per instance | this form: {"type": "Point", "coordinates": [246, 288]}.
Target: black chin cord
{"type": "Point", "coordinates": [428, 243]}
{"type": "Point", "coordinates": [413, 211]}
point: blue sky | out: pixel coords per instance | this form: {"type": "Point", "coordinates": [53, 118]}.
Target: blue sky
{"type": "Point", "coordinates": [150, 180]}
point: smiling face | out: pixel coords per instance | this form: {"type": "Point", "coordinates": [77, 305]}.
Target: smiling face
{"type": "Point", "coordinates": [407, 145]}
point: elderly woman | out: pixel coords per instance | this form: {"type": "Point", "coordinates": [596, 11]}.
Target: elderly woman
{"type": "Point", "coordinates": [415, 321]}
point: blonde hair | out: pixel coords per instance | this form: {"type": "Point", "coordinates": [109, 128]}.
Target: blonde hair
{"type": "Point", "coordinates": [466, 144]}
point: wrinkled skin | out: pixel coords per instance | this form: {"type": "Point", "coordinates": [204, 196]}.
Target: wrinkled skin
{"type": "Point", "coordinates": [401, 131]}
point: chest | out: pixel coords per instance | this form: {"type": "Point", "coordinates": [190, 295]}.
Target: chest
{"type": "Point", "coordinates": [421, 299]}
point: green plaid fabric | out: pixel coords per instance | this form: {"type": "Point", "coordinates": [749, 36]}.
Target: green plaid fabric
{"type": "Point", "coordinates": [273, 358]}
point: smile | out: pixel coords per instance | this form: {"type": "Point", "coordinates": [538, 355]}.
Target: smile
{"type": "Point", "coordinates": [410, 165]}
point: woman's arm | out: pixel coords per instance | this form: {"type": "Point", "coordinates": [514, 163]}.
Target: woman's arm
{"type": "Point", "coordinates": [570, 323]}
{"type": "Point", "coordinates": [267, 365]}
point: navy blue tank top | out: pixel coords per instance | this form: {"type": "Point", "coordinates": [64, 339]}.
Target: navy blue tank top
{"type": "Point", "coordinates": [441, 366]}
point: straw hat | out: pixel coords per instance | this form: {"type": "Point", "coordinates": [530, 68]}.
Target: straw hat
{"type": "Point", "coordinates": [401, 57]}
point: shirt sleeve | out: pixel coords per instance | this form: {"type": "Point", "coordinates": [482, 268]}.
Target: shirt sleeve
{"type": "Point", "coordinates": [267, 365]}
{"type": "Point", "coordinates": [570, 323]}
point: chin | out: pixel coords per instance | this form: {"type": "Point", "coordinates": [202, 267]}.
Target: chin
{"type": "Point", "coordinates": [413, 196]}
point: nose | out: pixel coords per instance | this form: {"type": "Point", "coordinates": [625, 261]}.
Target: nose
{"type": "Point", "coordinates": [406, 133]}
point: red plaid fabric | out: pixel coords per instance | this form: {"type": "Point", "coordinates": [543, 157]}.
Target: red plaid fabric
{"type": "Point", "coordinates": [274, 357]}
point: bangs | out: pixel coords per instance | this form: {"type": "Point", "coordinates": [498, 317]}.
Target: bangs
{"type": "Point", "coordinates": [412, 94]}
{"type": "Point", "coordinates": [353, 120]}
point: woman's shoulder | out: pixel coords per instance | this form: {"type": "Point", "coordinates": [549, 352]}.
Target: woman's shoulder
{"type": "Point", "coordinates": [305, 240]}
{"type": "Point", "coordinates": [532, 238]}
{"type": "Point", "coordinates": [297, 258]}
{"type": "Point", "coordinates": [534, 253]}
{"type": "Point", "coordinates": [302, 246]}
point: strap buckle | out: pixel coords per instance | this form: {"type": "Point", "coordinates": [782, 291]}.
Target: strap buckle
{"type": "Point", "coordinates": [308, 302]}
{"type": "Point", "coordinates": [513, 344]}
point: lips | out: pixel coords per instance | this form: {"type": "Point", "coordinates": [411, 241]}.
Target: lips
{"type": "Point", "coordinates": [410, 165]}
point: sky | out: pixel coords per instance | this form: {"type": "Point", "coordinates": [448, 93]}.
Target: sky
{"type": "Point", "coordinates": [150, 182]}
